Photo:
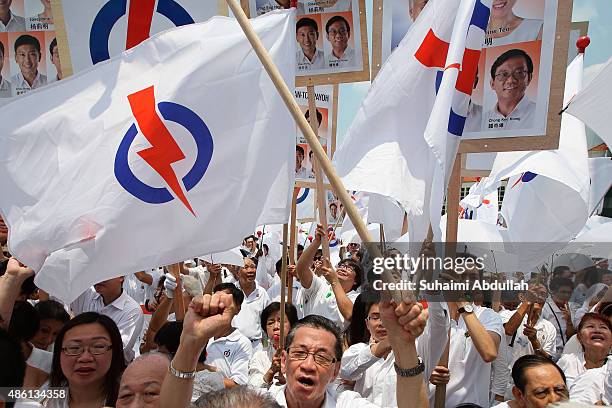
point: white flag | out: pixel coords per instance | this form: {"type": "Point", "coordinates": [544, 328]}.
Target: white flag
{"type": "Point", "coordinates": [178, 147]}
{"type": "Point", "coordinates": [593, 105]}
{"type": "Point", "coordinates": [390, 148]}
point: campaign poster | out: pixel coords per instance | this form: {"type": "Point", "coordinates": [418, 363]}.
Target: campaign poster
{"type": "Point", "coordinates": [99, 29]}
{"type": "Point", "coordinates": [512, 90]}
{"type": "Point", "coordinates": [331, 38]}
{"type": "Point", "coordinates": [324, 101]}
{"type": "Point", "coordinates": [27, 47]}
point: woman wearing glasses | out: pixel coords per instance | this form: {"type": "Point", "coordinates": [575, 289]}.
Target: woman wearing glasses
{"type": "Point", "coordinates": [264, 366]}
{"type": "Point", "coordinates": [89, 362]}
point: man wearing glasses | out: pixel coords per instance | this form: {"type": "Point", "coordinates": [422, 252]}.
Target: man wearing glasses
{"type": "Point", "coordinates": [511, 74]}
{"type": "Point", "coordinates": [338, 34]}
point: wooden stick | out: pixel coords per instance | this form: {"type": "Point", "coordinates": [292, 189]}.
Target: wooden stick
{"type": "Point", "coordinates": [283, 283]}
{"type": "Point", "coordinates": [452, 224]}
{"type": "Point", "coordinates": [321, 201]}
{"type": "Point", "coordinates": [315, 146]}
{"type": "Point", "coordinates": [293, 242]}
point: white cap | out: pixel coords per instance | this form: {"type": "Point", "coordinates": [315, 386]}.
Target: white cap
{"type": "Point", "coordinates": [575, 262]}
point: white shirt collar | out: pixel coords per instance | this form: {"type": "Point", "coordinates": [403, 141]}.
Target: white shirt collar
{"type": "Point", "coordinates": [520, 107]}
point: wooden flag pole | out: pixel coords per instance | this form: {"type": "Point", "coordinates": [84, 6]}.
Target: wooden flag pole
{"type": "Point", "coordinates": [283, 283]}
{"type": "Point", "coordinates": [321, 201]}
{"type": "Point", "coordinates": [452, 224]}
{"type": "Point", "coordinates": [292, 243]}
{"type": "Point", "coordinates": [313, 142]}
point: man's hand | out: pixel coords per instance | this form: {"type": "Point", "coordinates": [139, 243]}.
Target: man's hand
{"type": "Point", "coordinates": [319, 234]}
{"type": "Point", "coordinates": [404, 322]}
{"type": "Point", "coordinates": [208, 316]}
{"type": "Point", "coordinates": [214, 270]}
{"type": "Point", "coordinates": [381, 348]}
{"type": "Point", "coordinates": [17, 270]}
{"type": "Point", "coordinates": [531, 333]}
{"type": "Point", "coordinates": [275, 367]}
{"type": "Point", "coordinates": [328, 271]}
{"type": "Point", "coordinates": [440, 376]}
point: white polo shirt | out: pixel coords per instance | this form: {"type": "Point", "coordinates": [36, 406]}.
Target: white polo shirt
{"type": "Point", "coordinates": [546, 335]}
{"type": "Point", "coordinates": [304, 64]}
{"type": "Point", "coordinates": [231, 356]}
{"type": "Point", "coordinates": [248, 321]}
{"type": "Point", "coordinates": [16, 24]}
{"type": "Point", "coordinates": [572, 364]}
{"type": "Point", "coordinates": [319, 299]}
{"type": "Point", "coordinates": [520, 118]}
{"type": "Point", "coordinates": [124, 311]}
{"type": "Point", "coordinates": [347, 60]}
{"type": "Point", "coordinates": [21, 86]}
{"type": "Point", "coordinates": [5, 88]}
{"type": "Point", "coordinates": [470, 375]}
{"type": "Point", "coordinates": [275, 289]}
{"type": "Point", "coordinates": [347, 399]}
{"type": "Point", "coordinates": [553, 314]}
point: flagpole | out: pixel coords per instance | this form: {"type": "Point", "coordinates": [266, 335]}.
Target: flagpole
{"type": "Point", "coordinates": [283, 282]}
{"type": "Point", "coordinates": [318, 151]}
{"type": "Point", "coordinates": [321, 201]}
{"type": "Point", "coordinates": [293, 243]}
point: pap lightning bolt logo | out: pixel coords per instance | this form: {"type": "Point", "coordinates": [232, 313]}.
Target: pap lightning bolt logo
{"type": "Point", "coordinates": [164, 150]}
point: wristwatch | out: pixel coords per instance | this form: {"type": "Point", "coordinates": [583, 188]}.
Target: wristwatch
{"type": "Point", "coordinates": [466, 309]}
{"type": "Point", "coordinates": [410, 372]}
{"type": "Point", "coordinates": [186, 375]}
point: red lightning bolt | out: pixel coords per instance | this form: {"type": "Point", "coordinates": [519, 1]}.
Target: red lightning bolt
{"type": "Point", "coordinates": [139, 22]}
{"type": "Point", "coordinates": [164, 150]}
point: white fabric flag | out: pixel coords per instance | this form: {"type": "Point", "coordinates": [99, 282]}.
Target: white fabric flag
{"type": "Point", "coordinates": [547, 196]}
{"type": "Point", "coordinates": [178, 147]}
{"type": "Point", "coordinates": [390, 149]}
{"type": "Point", "coordinates": [477, 207]}
{"type": "Point", "coordinates": [592, 105]}
{"type": "Point", "coordinates": [384, 210]}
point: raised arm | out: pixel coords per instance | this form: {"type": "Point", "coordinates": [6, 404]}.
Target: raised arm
{"type": "Point", "coordinates": [486, 342]}
{"type": "Point", "coordinates": [344, 303]}
{"type": "Point", "coordinates": [305, 262]}
{"type": "Point", "coordinates": [10, 287]}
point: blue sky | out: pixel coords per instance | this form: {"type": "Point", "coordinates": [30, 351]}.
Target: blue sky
{"type": "Point", "coordinates": [597, 12]}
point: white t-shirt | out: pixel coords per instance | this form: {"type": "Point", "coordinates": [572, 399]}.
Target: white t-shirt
{"type": "Point", "coordinates": [347, 60]}
{"type": "Point", "coordinates": [275, 289]}
{"type": "Point", "coordinates": [304, 64]}
{"type": "Point", "coordinates": [319, 299]}
{"type": "Point", "coordinates": [588, 387]}
{"type": "Point", "coordinates": [259, 365]}
{"type": "Point", "coordinates": [231, 356]}
{"type": "Point", "coordinates": [348, 399]}
{"type": "Point", "coordinates": [572, 364]}
{"type": "Point", "coordinates": [470, 374]}
{"type": "Point", "coordinates": [553, 314]}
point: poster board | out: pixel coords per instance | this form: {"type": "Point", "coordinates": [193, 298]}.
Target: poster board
{"type": "Point", "coordinates": [27, 62]}
{"type": "Point", "coordinates": [539, 29]}
{"type": "Point", "coordinates": [332, 39]}
{"type": "Point", "coordinates": [480, 164]}
{"type": "Point", "coordinates": [95, 30]}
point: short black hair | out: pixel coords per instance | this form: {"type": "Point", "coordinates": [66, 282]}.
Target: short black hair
{"type": "Point", "coordinates": [2, 48]}
{"type": "Point", "coordinates": [560, 270]}
{"type": "Point", "coordinates": [52, 45]}
{"type": "Point", "coordinates": [318, 322]}
{"type": "Point", "coordinates": [12, 357]}
{"type": "Point", "coordinates": [169, 336]}
{"type": "Point", "coordinates": [319, 119]}
{"type": "Point", "coordinates": [51, 309]}
{"type": "Point", "coordinates": [307, 22]}
{"type": "Point", "coordinates": [24, 321]}
{"type": "Point", "coordinates": [26, 39]}
{"type": "Point", "coordinates": [356, 267]}
{"type": "Point", "coordinates": [236, 293]}
{"type": "Point", "coordinates": [300, 149]}
{"type": "Point", "coordinates": [333, 204]}
{"type": "Point", "coordinates": [335, 19]}
{"type": "Point", "coordinates": [529, 361]}
{"type": "Point", "coordinates": [357, 331]}
{"type": "Point", "coordinates": [513, 53]}
{"type": "Point", "coordinates": [559, 282]}
{"type": "Point", "coordinates": [290, 314]}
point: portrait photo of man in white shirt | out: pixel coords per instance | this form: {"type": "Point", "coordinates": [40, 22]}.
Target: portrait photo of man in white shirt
{"type": "Point", "coordinates": [27, 57]}
{"type": "Point", "coordinates": [511, 74]}
{"type": "Point", "coordinates": [338, 33]}
{"type": "Point", "coordinates": [308, 57]}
